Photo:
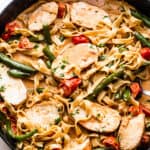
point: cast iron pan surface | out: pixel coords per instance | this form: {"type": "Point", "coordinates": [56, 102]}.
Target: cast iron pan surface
{"type": "Point", "coordinates": [17, 6]}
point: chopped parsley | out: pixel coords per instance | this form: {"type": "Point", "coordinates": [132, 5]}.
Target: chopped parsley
{"type": "Point", "coordinates": [61, 38]}
{"type": "Point", "coordinates": [122, 48]}
{"type": "Point", "coordinates": [91, 46]}
{"type": "Point", "coordinates": [65, 61]}
{"type": "Point", "coordinates": [40, 90]}
{"type": "Point", "coordinates": [48, 64]}
{"type": "Point", "coordinates": [54, 70]}
{"type": "Point", "coordinates": [75, 112]}
{"type": "Point", "coordinates": [102, 57]}
{"type": "Point", "coordinates": [110, 64]}
{"type": "Point", "coordinates": [101, 45]}
{"type": "Point", "coordinates": [63, 66]}
{"type": "Point", "coordinates": [98, 115]}
{"type": "Point", "coordinates": [105, 17]}
{"type": "Point", "coordinates": [57, 120]}
{"type": "Point", "coordinates": [61, 75]}
{"type": "Point", "coordinates": [2, 88]}
{"type": "Point", "coordinates": [36, 46]}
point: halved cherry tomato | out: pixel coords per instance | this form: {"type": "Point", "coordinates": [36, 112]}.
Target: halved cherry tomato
{"type": "Point", "coordinates": [11, 26]}
{"type": "Point", "coordinates": [145, 53]}
{"type": "Point", "coordinates": [135, 89]}
{"type": "Point", "coordinates": [25, 43]}
{"type": "Point", "coordinates": [61, 9]}
{"type": "Point", "coordinates": [13, 123]}
{"type": "Point", "coordinates": [6, 36]}
{"type": "Point", "coordinates": [145, 109]}
{"type": "Point", "coordinates": [135, 110]}
{"type": "Point", "coordinates": [145, 139]}
{"type": "Point", "coordinates": [111, 141]}
{"type": "Point", "coordinates": [80, 39]}
{"type": "Point", "coordinates": [70, 85]}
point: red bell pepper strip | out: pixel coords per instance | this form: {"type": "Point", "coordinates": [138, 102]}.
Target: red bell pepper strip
{"type": "Point", "coordinates": [61, 9]}
{"type": "Point", "coordinates": [111, 141]}
{"type": "Point", "coordinates": [135, 110]}
{"type": "Point", "coordinates": [135, 89]}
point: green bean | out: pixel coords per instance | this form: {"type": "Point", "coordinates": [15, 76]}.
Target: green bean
{"type": "Point", "coordinates": [38, 38]}
{"type": "Point", "coordinates": [141, 38]}
{"type": "Point", "coordinates": [104, 84]}
{"type": "Point", "coordinates": [126, 95]}
{"type": "Point", "coordinates": [14, 64]}
{"type": "Point", "coordinates": [9, 131]}
{"type": "Point", "coordinates": [144, 18]}
{"type": "Point", "coordinates": [18, 74]}
{"type": "Point", "coordinates": [48, 53]}
{"type": "Point", "coordinates": [46, 34]}
{"type": "Point", "coordinates": [18, 137]}
{"type": "Point", "coordinates": [40, 90]}
{"type": "Point", "coordinates": [48, 64]}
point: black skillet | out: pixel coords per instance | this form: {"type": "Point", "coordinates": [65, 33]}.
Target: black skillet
{"type": "Point", "coordinates": [17, 6]}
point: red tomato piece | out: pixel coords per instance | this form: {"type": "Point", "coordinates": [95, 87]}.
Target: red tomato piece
{"type": "Point", "coordinates": [61, 9]}
{"type": "Point", "coordinates": [145, 109]}
{"type": "Point", "coordinates": [70, 85]}
{"type": "Point", "coordinates": [6, 36]}
{"type": "Point", "coordinates": [11, 26]}
{"type": "Point", "coordinates": [111, 141]}
{"type": "Point", "coordinates": [145, 53]}
{"type": "Point", "coordinates": [80, 39]}
{"type": "Point", "coordinates": [135, 89]}
{"type": "Point", "coordinates": [135, 110]}
{"type": "Point", "coordinates": [25, 43]}
{"type": "Point", "coordinates": [145, 139]}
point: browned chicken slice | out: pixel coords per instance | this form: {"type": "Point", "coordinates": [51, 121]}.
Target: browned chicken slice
{"type": "Point", "coordinates": [44, 15]}
{"type": "Point", "coordinates": [74, 145]}
{"type": "Point", "coordinates": [131, 131]}
{"type": "Point", "coordinates": [86, 15]}
{"type": "Point", "coordinates": [98, 3]}
{"type": "Point", "coordinates": [103, 119]}
{"type": "Point", "coordinates": [80, 56]}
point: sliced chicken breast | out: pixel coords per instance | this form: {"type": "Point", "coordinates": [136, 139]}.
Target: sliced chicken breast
{"type": "Point", "coordinates": [41, 116]}
{"type": "Point", "coordinates": [103, 119]}
{"type": "Point", "coordinates": [86, 15]}
{"type": "Point", "coordinates": [131, 131]}
{"type": "Point", "coordinates": [74, 145]}
{"type": "Point", "coordinates": [13, 90]}
{"type": "Point", "coordinates": [43, 15]}
{"type": "Point", "coordinates": [79, 56]}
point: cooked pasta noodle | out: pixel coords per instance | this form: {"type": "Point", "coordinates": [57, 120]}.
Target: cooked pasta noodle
{"type": "Point", "coordinates": [76, 99]}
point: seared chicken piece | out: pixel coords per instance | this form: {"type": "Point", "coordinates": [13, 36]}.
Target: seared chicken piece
{"type": "Point", "coordinates": [131, 131]}
{"type": "Point", "coordinates": [44, 15]}
{"type": "Point", "coordinates": [79, 56]}
{"type": "Point", "coordinates": [12, 90]}
{"type": "Point", "coordinates": [98, 3]}
{"type": "Point", "coordinates": [86, 15]}
{"type": "Point", "coordinates": [74, 145]}
{"type": "Point", "coordinates": [41, 116]}
{"type": "Point", "coordinates": [103, 119]}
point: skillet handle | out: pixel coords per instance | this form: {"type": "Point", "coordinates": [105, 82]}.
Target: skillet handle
{"type": "Point", "coordinates": [11, 10]}
{"type": "Point", "coordinates": [142, 5]}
